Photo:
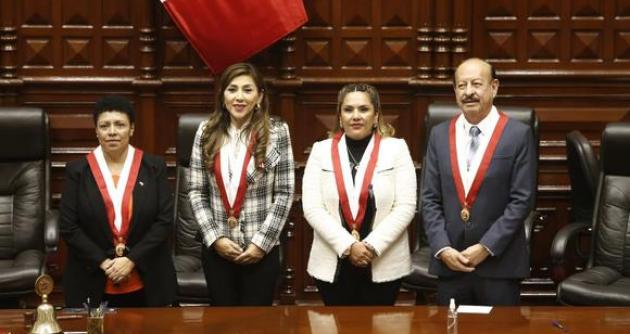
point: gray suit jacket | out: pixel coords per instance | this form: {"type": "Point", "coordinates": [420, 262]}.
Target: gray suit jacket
{"type": "Point", "coordinates": [503, 202]}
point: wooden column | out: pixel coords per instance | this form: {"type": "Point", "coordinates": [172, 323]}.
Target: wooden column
{"type": "Point", "coordinates": [287, 68]}
{"type": "Point", "coordinates": [442, 55]}
{"type": "Point", "coordinates": [460, 38]}
{"type": "Point", "coordinates": [8, 53]}
{"type": "Point", "coordinates": [286, 86]}
{"type": "Point", "coordinates": [146, 81]}
{"type": "Point", "coordinates": [424, 64]}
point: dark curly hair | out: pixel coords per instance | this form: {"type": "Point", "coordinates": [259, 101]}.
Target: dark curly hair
{"type": "Point", "coordinates": [114, 103]}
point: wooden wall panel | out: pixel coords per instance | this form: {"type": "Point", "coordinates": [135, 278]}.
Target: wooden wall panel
{"type": "Point", "coordinates": [568, 59]}
{"type": "Point", "coordinates": [359, 38]}
{"type": "Point", "coordinates": [572, 36]}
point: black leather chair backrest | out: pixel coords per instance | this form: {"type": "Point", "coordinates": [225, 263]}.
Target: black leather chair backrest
{"type": "Point", "coordinates": [24, 174]}
{"type": "Point", "coordinates": [441, 111]}
{"type": "Point", "coordinates": [583, 169]}
{"type": "Point", "coordinates": [611, 241]}
{"type": "Point", "coordinates": [186, 225]}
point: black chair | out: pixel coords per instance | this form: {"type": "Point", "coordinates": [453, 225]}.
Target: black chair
{"type": "Point", "coordinates": [28, 228]}
{"type": "Point", "coordinates": [420, 280]}
{"type": "Point", "coordinates": [191, 282]}
{"type": "Point", "coordinates": [583, 168]}
{"type": "Point", "coordinates": [584, 175]}
{"type": "Point", "coordinates": [606, 279]}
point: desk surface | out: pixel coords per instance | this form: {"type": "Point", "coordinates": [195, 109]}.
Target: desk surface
{"type": "Point", "coordinates": [305, 319]}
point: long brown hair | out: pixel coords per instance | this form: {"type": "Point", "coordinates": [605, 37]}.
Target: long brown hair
{"type": "Point", "coordinates": [384, 128]}
{"type": "Point", "coordinates": [216, 129]}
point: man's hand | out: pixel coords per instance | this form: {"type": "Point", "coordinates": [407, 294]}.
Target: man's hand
{"type": "Point", "coordinates": [455, 260]}
{"type": "Point", "coordinates": [227, 248]}
{"type": "Point", "coordinates": [476, 253]}
{"type": "Point", "coordinates": [251, 255]}
{"type": "Point", "coordinates": [360, 255]}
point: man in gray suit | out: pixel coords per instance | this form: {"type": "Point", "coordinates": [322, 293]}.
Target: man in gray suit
{"type": "Point", "coordinates": [477, 190]}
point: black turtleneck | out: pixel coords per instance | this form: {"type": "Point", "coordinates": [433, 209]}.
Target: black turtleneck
{"type": "Point", "coordinates": [356, 148]}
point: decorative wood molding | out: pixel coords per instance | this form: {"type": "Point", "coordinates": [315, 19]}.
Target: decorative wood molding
{"type": "Point", "coordinates": [287, 68]}
{"type": "Point", "coordinates": [146, 40]}
{"type": "Point", "coordinates": [8, 41]}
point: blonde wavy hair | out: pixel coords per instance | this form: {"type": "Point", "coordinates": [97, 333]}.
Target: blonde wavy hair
{"type": "Point", "coordinates": [385, 129]}
{"type": "Point", "coordinates": [216, 129]}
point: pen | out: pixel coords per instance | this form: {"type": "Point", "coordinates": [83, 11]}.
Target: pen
{"type": "Point", "coordinates": [559, 325]}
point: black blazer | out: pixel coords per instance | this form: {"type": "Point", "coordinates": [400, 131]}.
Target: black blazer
{"type": "Point", "coordinates": [85, 230]}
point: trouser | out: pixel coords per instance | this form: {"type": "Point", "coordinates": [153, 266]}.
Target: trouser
{"type": "Point", "coordinates": [231, 284]}
{"type": "Point", "coordinates": [354, 286]}
{"type": "Point", "coordinates": [471, 289]}
{"type": "Point", "coordinates": [132, 299]}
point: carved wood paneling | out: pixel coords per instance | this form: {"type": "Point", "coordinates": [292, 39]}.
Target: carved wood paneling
{"type": "Point", "coordinates": [76, 37]}
{"type": "Point", "coordinates": [357, 38]}
{"type": "Point", "coordinates": [554, 35]}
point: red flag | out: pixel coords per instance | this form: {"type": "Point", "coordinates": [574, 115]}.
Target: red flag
{"type": "Point", "coordinates": [225, 32]}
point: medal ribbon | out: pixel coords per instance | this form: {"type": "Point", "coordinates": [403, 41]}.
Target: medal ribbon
{"type": "Point", "coordinates": [467, 201]}
{"type": "Point", "coordinates": [234, 210]}
{"type": "Point", "coordinates": [355, 223]}
{"type": "Point", "coordinates": [116, 206]}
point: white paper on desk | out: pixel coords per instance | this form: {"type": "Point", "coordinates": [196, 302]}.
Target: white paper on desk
{"type": "Point", "coordinates": [473, 309]}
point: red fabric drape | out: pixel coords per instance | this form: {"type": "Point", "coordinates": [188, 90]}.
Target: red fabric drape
{"type": "Point", "coordinates": [225, 32]}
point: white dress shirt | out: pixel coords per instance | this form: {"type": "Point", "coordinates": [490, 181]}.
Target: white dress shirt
{"type": "Point", "coordinates": [232, 156]}
{"type": "Point", "coordinates": [462, 140]}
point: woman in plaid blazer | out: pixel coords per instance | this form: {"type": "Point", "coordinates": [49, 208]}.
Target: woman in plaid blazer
{"type": "Point", "coordinates": [241, 190]}
{"type": "Point", "coordinates": [359, 195]}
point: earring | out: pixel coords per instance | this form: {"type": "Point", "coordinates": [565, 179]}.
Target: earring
{"type": "Point", "coordinates": [258, 106]}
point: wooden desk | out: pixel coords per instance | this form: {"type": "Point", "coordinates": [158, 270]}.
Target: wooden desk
{"type": "Point", "coordinates": [386, 320]}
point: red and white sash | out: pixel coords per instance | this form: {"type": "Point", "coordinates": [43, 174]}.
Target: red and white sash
{"type": "Point", "coordinates": [467, 200]}
{"type": "Point", "coordinates": [116, 196]}
{"type": "Point", "coordinates": [233, 207]}
{"type": "Point", "coordinates": [354, 196]}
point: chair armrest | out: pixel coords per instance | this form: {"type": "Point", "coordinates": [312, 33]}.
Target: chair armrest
{"type": "Point", "coordinates": [558, 252]}
{"type": "Point", "coordinates": [562, 238]}
{"type": "Point", "coordinates": [51, 231]}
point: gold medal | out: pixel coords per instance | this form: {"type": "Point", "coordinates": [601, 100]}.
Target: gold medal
{"type": "Point", "coordinates": [356, 234]}
{"type": "Point", "coordinates": [232, 222]}
{"type": "Point", "coordinates": [465, 215]}
{"type": "Point", "coordinates": [119, 250]}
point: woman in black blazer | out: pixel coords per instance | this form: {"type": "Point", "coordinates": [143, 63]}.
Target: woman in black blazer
{"type": "Point", "coordinates": [116, 216]}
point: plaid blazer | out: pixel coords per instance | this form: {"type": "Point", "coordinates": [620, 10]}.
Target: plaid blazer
{"type": "Point", "coordinates": [267, 201]}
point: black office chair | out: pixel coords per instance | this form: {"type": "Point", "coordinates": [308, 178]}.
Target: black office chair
{"type": "Point", "coordinates": [191, 282]}
{"type": "Point", "coordinates": [583, 168]}
{"type": "Point", "coordinates": [28, 228]}
{"type": "Point", "coordinates": [584, 175]}
{"type": "Point", "coordinates": [606, 279]}
{"type": "Point", "coordinates": [420, 280]}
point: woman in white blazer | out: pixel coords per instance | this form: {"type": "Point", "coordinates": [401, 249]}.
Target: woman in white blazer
{"type": "Point", "coordinates": [359, 196]}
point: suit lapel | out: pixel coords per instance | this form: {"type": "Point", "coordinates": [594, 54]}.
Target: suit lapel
{"type": "Point", "coordinates": [271, 160]}
{"type": "Point", "coordinates": [137, 195]}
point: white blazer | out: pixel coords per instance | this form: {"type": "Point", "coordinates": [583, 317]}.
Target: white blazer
{"type": "Point", "coordinates": [394, 186]}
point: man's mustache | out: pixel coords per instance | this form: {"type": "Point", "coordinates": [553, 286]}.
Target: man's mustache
{"type": "Point", "coordinates": [470, 99]}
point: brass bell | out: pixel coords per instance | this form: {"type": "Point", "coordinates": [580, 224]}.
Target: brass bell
{"type": "Point", "coordinates": [45, 323]}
